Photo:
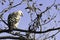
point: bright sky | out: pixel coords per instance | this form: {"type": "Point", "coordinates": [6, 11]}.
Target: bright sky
{"type": "Point", "coordinates": [25, 20]}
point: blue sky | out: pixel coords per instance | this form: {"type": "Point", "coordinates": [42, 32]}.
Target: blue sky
{"type": "Point", "coordinates": [25, 20]}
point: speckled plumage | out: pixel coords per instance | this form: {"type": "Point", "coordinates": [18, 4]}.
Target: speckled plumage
{"type": "Point", "coordinates": [13, 19]}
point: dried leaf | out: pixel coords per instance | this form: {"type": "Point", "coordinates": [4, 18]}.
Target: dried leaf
{"type": "Point", "coordinates": [55, 6]}
{"type": "Point", "coordinates": [11, 3]}
{"type": "Point", "coordinates": [2, 3]}
{"type": "Point", "coordinates": [39, 9]}
{"type": "Point", "coordinates": [23, 0]}
{"type": "Point", "coordinates": [40, 4]}
{"type": "Point", "coordinates": [48, 18]}
{"type": "Point", "coordinates": [30, 0]}
{"type": "Point", "coordinates": [5, 10]}
{"type": "Point", "coordinates": [45, 21]}
{"type": "Point", "coordinates": [29, 8]}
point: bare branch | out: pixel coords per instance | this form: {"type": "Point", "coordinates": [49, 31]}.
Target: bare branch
{"type": "Point", "coordinates": [9, 37]}
{"type": "Point", "coordinates": [48, 7]}
{"type": "Point", "coordinates": [49, 20]}
{"type": "Point", "coordinates": [4, 21]}
{"type": "Point", "coordinates": [13, 37]}
{"type": "Point", "coordinates": [44, 12]}
{"type": "Point", "coordinates": [53, 29]}
{"type": "Point", "coordinates": [39, 32]}
{"type": "Point", "coordinates": [53, 35]}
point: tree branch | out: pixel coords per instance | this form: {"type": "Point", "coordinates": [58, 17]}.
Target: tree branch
{"type": "Point", "coordinates": [4, 21]}
{"type": "Point", "coordinates": [13, 37]}
{"type": "Point", "coordinates": [48, 7]}
{"type": "Point", "coordinates": [39, 32]}
{"type": "Point", "coordinates": [49, 20]}
{"type": "Point", "coordinates": [9, 37]}
{"type": "Point", "coordinates": [53, 35]}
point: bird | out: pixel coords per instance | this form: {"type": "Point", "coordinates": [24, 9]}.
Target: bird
{"type": "Point", "coordinates": [13, 19]}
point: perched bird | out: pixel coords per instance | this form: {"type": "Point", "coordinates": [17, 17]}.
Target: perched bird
{"type": "Point", "coordinates": [13, 19]}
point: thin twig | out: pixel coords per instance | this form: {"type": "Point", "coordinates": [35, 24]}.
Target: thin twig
{"type": "Point", "coordinates": [49, 20]}
{"type": "Point", "coordinates": [53, 35]}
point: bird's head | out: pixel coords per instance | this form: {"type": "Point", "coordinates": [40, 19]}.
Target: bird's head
{"type": "Point", "coordinates": [20, 13]}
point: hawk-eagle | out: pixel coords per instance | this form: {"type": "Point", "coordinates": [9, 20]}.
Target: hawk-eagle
{"type": "Point", "coordinates": [13, 19]}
